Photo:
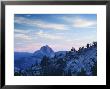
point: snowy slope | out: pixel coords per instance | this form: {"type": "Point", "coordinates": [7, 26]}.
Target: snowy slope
{"type": "Point", "coordinates": [83, 61]}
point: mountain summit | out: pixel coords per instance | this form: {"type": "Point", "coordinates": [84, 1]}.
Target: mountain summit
{"type": "Point", "coordinates": [44, 51]}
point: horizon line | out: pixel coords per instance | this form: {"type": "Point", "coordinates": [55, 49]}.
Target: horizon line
{"type": "Point", "coordinates": [54, 50]}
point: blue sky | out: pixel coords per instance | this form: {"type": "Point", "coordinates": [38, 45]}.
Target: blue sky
{"type": "Point", "coordinates": [60, 31]}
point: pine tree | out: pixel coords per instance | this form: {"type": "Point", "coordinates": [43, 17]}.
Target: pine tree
{"type": "Point", "coordinates": [73, 49]}
{"type": "Point", "coordinates": [45, 61]}
{"type": "Point", "coordinates": [45, 65]}
{"type": "Point", "coordinates": [95, 43]}
{"type": "Point", "coordinates": [88, 45]}
{"type": "Point", "coordinates": [94, 70]}
{"type": "Point", "coordinates": [82, 73]}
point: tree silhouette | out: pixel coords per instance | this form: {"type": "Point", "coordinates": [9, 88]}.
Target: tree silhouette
{"type": "Point", "coordinates": [73, 49]}
{"type": "Point", "coordinates": [88, 45]}
{"type": "Point", "coordinates": [95, 43]}
{"type": "Point", "coordinates": [45, 65]}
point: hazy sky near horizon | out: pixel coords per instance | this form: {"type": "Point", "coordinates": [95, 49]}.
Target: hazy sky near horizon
{"type": "Point", "coordinates": [60, 31]}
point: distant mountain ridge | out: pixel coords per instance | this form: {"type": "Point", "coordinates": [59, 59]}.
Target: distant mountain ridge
{"type": "Point", "coordinates": [24, 59]}
{"type": "Point", "coordinates": [18, 55]}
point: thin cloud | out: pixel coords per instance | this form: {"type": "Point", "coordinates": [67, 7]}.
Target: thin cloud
{"type": "Point", "coordinates": [21, 31]}
{"type": "Point", "coordinates": [83, 23]}
{"type": "Point", "coordinates": [22, 36]}
{"type": "Point", "coordinates": [79, 22]}
{"type": "Point", "coordinates": [48, 36]}
{"type": "Point", "coordinates": [51, 26]}
{"type": "Point", "coordinates": [40, 24]}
